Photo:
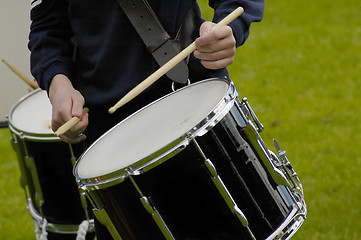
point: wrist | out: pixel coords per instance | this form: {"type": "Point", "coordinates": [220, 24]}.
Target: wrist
{"type": "Point", "coordinates": [59, 82]}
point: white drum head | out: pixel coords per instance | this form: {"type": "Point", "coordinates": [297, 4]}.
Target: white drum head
{"type": "Point", "coordinates": [32, 114]}
{"type": "Point", "coordinates": [151, 129]}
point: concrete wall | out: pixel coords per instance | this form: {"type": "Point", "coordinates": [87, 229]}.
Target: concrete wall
{"type": "Point", "coordinates": [14, 31]}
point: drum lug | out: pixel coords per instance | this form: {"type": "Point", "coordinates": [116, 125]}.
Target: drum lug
{"type": "Point", "coordinates": [225, 193]}
{"type": "Point", "coordinates": [295, 186]}
{"type": "Point", "coordinates": [287, 168]}
{"type": "Point", "coordinates": [39, 200]}
{"type": "Point", "coordinates": [222, 189]}
{"type": "Point", "coordinates": [250, 114]}
{"type": "Point", "coordinates": [156, 217]}
{"type": "Point", "coordinates": [151, 209]}
{"type": "Point", "coordinates": [84, 191]}
{"type": "Point", "coordinates": [211, 168]}
{"type": "Point", "coordinates": [104, 219]}
{"type": "Point", "coordinates": [16, 145]}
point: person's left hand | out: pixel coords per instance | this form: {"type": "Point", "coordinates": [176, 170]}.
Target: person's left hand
{"type": "Point", "coordinates": [30, 89]}
{"type": "Point", "coordinates": [215, 48]}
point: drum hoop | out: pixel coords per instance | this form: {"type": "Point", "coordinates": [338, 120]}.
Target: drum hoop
{"type": "Point", "coordinates": [55, 227]}
{"type": "Point", "coordinates": [34, 137]}
{"type": "Point", "coordinates": [24, 134]}
{"type": "Point", "coordinates": [171, 149]}
{"type": "Point", "coordinates": [290, 225]}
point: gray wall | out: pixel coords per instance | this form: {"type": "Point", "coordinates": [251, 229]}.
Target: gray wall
{"type": "Point", "coordinates": [14, 31]}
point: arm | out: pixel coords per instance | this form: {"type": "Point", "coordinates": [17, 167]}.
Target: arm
{"type": "Point", "coordinates": [253, 12]}
{"type": "Point", "coordinates": [50, 41]}
{"type": "Point", "coordinates": [51, 63]}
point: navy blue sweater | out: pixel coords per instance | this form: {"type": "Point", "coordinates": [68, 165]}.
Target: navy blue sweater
{"type": "Point", "coordinates": [110, 58]}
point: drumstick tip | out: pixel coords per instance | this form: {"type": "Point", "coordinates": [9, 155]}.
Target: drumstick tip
{"type": "Point", "coordinates": [112, 110]}
{"type": "Point", "coordinates": [85, 110]}
{"type": "Point", "coordinates": [118, 105]}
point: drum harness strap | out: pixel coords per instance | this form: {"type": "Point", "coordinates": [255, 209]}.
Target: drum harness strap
{"type": "Point", "coordinates": [157, 40]}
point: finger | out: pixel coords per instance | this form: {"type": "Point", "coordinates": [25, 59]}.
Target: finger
{"type": "Point", "coordinates": [209, 36]}
{"type": "Point", "coordinates": [79, 138]}
{"type": "Point", "coordinates": [215, 55]}
{"type": "Point", "coordinates": [60, 115]}
{"type": "Point", "coordinates": [78, 103]}
{"type": "Point", "coordinates": [82, 124]}
{"type": "Point", "coordinates": [213, 58]}
{"type": "Point", "coordinates": [78, 128]}
{"type": "Point", "coordinates": [217, 64]}
{"type": "Point", "coordinates": [220, 45]}
{"type": "Point", "coordinates": [205, 28]}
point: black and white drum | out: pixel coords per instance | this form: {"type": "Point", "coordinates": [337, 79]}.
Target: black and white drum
{"type": "Point", "coordinates": [192, 165]}
{"type": "Point", "coordinates": [46, 164]}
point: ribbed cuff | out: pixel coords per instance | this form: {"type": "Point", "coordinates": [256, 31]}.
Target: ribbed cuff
{"type": "Point", "coordinates": [52, 70]}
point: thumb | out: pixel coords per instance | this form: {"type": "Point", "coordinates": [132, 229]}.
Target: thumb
{"type": "Point", "coordinates": [204, 30]}
{"type": "Point", "coordinates": [78, 104]}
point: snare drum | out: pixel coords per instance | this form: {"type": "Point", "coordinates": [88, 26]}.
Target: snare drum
{"type": "Point", "coordinates": [192, 165]}
{"type": "Point", "coordinates": [46, 163]}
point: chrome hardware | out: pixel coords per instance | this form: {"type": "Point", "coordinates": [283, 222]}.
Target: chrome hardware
{"type": "Point", "coordinates": [288, 228]}
{"type": "Point", "coordinates": [222, 189]}
{"type": "Point", "coordinates": [173, 85]}
{"type": "Point", "coordinates": [150, 208]}
{"type": "Point", "coordinates": [280, 169]}
{"type": "Point", "coordinates": [295, 187]}
{"type": "Point", "coordinates": [103, 217]}
{"type": "Point", "coordinates": [285, 166]}
{"type": "Point", "coordinates": [54, 227]}
{"type": "Point", "coordinates": [250, 114]}
{"type": "Point", "coordinates": [156, 217]}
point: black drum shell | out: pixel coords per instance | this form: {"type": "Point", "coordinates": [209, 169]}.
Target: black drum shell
{"type": "Point", "coordinates": [182, 191]}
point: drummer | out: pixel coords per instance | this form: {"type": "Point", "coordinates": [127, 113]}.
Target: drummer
{"type": "Point", "coordinates": [88, 53]}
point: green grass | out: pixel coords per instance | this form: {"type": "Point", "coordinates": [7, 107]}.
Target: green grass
{"type": "Point", "coordinates": [15, 221]}
{"type": "Point", "coordinates": [300, 70]}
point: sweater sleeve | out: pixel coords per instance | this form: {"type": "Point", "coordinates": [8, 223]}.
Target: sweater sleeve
{"type": "Point", "coordinates": [253, 12]}
{"type": "Point", "coordinates": [50, 41]}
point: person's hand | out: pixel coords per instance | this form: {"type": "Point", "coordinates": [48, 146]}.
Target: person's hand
{"type": "Point", "coordinates": [215, 49]}
{"type": "Point", "coordinates": [30, 89]}
{"type": "Point", "coordinates": [67, 103]}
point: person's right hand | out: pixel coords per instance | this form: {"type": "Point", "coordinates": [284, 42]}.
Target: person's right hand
{"type": "Point", "coordinates": [67, 103]}
{"type": "Point", "coordinates": [215, 48]}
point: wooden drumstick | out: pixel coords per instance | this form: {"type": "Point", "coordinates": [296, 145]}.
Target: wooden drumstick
{"type": "Point", "coordinates": [69, 124]}
{"type": "Point", "coordinates": [170, 64]}
{"type": "Point", "coordinates": [22, 76]}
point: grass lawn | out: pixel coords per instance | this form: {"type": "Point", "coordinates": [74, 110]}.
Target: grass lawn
{"type": "Point", "coordinates": [301, 71]}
